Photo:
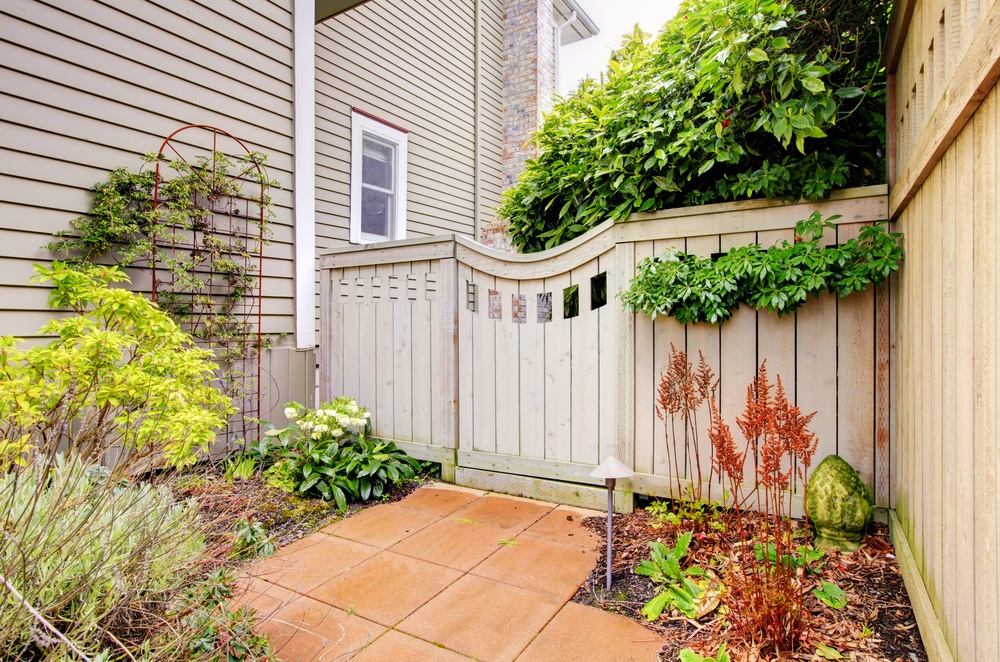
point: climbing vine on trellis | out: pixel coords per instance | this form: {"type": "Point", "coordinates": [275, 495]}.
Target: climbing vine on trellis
{"type": "Point", "coordinates": [198, 225]}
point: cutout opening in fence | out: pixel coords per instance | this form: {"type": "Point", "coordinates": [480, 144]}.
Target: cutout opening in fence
{"type": "Point", "coordinates": [472, 296]}
{"type": "Point", "coordinates": [544, 304]}
{"type": "Point", "coordinates": [598, 290]}
{"type": "Point", "coordinates": [571, 301]}
{"type": "Point", "coordinates": [519, 308]}
{"type": "Point", "coordinates": [496, 305]}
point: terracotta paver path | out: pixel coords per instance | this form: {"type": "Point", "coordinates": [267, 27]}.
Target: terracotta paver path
{"type": "Point", "coordinates": [446, 574]}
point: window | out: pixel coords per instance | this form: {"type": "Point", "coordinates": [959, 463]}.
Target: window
{"type": "Point", "coordinates": [378, 180]}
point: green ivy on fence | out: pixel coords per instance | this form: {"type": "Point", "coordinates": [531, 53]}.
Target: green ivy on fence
{"type": "Point", "coordinates": [779, 278]}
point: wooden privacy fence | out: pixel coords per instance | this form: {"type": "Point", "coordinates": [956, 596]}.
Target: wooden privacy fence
{"type": "Point", "coordinates": [522, 372]}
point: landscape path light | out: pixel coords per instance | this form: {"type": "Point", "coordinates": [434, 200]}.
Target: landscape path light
{"type": "Point", "coordinates": [610, 470]}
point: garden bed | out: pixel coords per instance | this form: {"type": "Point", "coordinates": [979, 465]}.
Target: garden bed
{"type": "Point", "coordinates": [876, 625]}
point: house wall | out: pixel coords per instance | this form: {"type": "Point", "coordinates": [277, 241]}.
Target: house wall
{"type": "Point", "coordinates": [88, 86]}
{"type": "Point", "coordinates": [944, 59]}
{"type": "Point", "coordinates": [413, 64]}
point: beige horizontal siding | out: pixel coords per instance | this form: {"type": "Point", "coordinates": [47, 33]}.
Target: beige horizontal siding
{"type": "Point", "coordinates": [90, 86]}
{"type": "Point", "coordinates": [412, 64]}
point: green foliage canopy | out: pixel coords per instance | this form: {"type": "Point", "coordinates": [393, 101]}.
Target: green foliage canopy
{"type": "Point", "coordinates": [719, 106]}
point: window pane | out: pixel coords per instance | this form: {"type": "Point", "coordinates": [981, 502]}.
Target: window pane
{"type": "Point", "coordinates": [376, 163]}
{"type": "Point", "coordinates": [376, 212]}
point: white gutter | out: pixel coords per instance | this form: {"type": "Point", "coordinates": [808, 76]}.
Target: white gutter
{"type": "Point", "coordinates": [304, 170]}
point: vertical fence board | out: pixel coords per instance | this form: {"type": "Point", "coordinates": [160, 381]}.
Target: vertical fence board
{"type": "Point", "coordinates": [531, 353]}
{"type": "Point", "coordinates": [949, 470]}
{"type": "Point", "coordinates": [558, 376]}
{"type": "Point", "coordinates": [507, 374]}
{"type": "Point", "coordinates": [368, 339]}
{"type": "Point", "coordinates": [985, 351]}
{"type": "Point", "coordinates": [646, 380]}
{"type": "Point", "coordinates": [402, 354]}
{"type": "Point", "coordinates": [667, 333]}
{"type": "Point", "coordinates": [933, 449]}
{"type": "Point", "coordinates": [586, 375]}
{"type": "Point", "coordinates": [352, 334]}
{"type": "Point", "coordinates": [466, 342]}
{"type": "Point", "coordinates": [703, 338]}
{"type": "Point", "coordinates": [856, 351]}
{"type": "Point", "coordinates": [738, 357]}
{"type": "Point", "coordinates": [484, 360]}
{"type": "Point", "coordinates": [426, 286]}
{"type": "Point", "coordinates": [423, 319]}
{"type": "Point", "coordinates": [963, 370]}
{"type": "Point", "coordinates": [383, 406]}
{"type": "Point", "coordinates": [607, 356]}
{"type": "Point", "coordinates": [816, 370]}
{"type": "Point", "coordinates": [333, 357]}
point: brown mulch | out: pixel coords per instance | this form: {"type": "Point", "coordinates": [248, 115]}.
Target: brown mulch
{"type": "Point", "coordinates": [286, 517]}
{"type": "Point", "coordinates": [877, 625]}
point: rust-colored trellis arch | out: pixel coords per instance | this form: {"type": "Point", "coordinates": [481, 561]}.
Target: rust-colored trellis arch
{"type": "Point", "coordinates": [210, 255]}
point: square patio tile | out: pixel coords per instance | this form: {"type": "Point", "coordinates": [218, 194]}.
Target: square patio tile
{"type": "Point", "coordinates": [541, 565]}
{"type": "Point", "coordinates": [484, 619]}
{"type": "Point", "coordinates": [432, 499]}
{"type": "Point", "coordinates": [564, 525]}
{"type": "Point", "coordinates": [454, 543]}
{"type": "Point", "coordinates": [384, 525]}
{"type": "Point", "coordinates": [307, 563]}
{"type": "Point", "coordinates": [387, 587]}
{"type": "Point", "coordinates": [586, 634]}
{"type": "Point", "coordinates": [303, 629]}
{"type": "Point", "coordinates": [509, 513]}
{"type": "Point", "coordinates": [400, 647]}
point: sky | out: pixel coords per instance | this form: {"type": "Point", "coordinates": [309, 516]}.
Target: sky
{"type": "Point", "coordinates": [614, 18]}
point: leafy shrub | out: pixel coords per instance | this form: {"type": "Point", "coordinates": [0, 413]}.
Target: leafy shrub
{"type": "Point", "coordinates": [120, 374]}
{"type": "Point", "coordinates": [327, 452]}
{"type": "Point", "coordinates": [693, 598]}
{"type": "Point", "coordinates": [734, 98]}
{"type": "Point", "coordinates": [93, 564]}
{"type": "Point", "coordinates": [779, 278]}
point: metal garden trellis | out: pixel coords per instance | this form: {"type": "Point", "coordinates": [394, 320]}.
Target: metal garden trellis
{"type": "Point", "coordinates": [208, 266]}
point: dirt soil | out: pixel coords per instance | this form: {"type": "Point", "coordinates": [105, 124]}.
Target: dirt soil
{"type": "Point", "coordinates": [877, 624]}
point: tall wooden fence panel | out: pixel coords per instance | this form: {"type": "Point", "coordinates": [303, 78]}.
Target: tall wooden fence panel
{"type": "Point", "coordinates": [943, 60]}
{"type": "Point", "coordinates": [542, 373]}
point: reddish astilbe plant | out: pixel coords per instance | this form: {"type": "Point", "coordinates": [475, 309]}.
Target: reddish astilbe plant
{"type": "Point", "coordinates": [682, 391]}
{"type": "Point", "coordinates": [765, 597]}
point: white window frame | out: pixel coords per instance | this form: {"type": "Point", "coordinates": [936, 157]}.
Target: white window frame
{"type": "Point", "coordinates": [362, 124]}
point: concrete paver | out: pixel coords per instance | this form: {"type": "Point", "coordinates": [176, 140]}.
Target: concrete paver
{"type": "Point", "coordinates": [446, 574]}
{"type": "Point", "coordinates": [541, 565]}
{"type": "Point", "coordinates": [386, 588]}
{"type": "Point", "coordinates": [580, 633]}
{"type": "Point", "coordinates": [383, 526]}
{"type": "Point", "coordinates": [484, 619]}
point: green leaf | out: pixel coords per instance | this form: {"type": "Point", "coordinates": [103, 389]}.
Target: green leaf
{"type": "Point", "coordinates": [831, 595]}
{"type": "Point", "coordinates": [849, 92]}
{"type": "Point", "coordinates": [652, 609]}
{"type": "Point", "coordinates": [828, 653]}
{"type": "Point", "coordinates": [814, 85]}
{"type": "Point", "coordinates": [706, 166]}
{"type": "Point", "coordinates": [757, 55]}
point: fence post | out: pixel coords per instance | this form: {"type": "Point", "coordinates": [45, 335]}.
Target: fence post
{"type": "Point", "coordinates": [625, 367]}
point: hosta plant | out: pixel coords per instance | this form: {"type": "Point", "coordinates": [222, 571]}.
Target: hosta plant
{"type": "Point", "coordinates": [327, 452]}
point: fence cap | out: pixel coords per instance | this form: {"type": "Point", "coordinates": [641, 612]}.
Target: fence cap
{"type": "Point", "coordinates": [612, 467]}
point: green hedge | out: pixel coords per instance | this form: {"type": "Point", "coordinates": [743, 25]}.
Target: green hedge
{"type": "Point", "coordinates": [733, 99]}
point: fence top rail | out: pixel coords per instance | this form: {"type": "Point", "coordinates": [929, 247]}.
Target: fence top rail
{"type": "Point", "coordinates": [858, 205]}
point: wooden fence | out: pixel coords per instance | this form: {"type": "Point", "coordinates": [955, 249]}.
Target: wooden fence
{"type": "Point", "coordinates": [522, 372]}
{"type": "Point", "coordinates": [943, 61]}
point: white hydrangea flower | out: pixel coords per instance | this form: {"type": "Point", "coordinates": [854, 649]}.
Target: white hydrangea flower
{"type": "Point", "coordinates": [337, 432]}
{"type": "Point", "coordinates": [291, 413]}
{"type": "Point", "coordinates": [321, 428]}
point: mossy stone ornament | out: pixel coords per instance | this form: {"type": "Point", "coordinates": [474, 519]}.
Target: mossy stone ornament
{"type": "Point", "coordinates": [838, 505]}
